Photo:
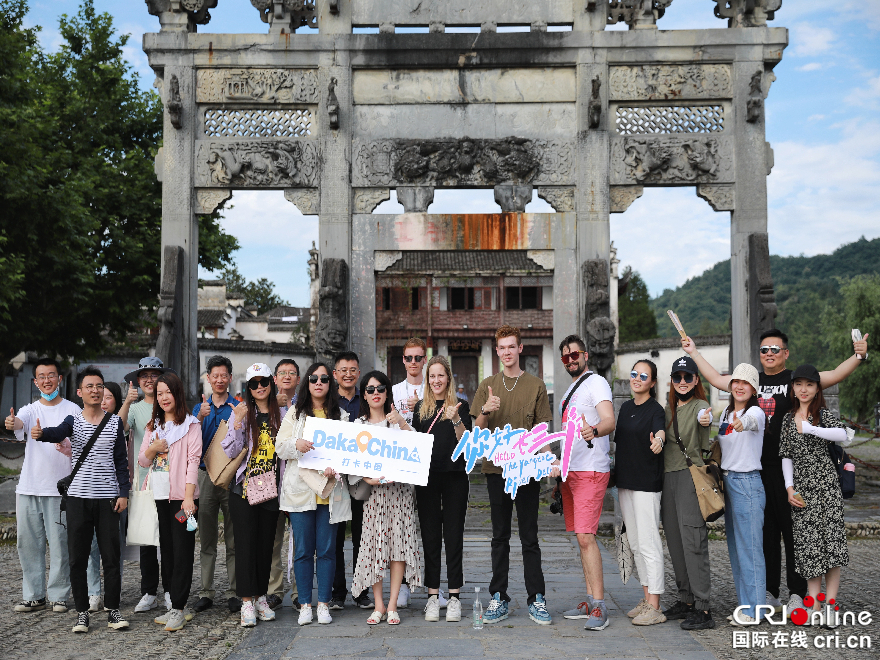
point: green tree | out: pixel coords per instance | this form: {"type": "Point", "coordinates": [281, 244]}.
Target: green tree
{"type": "Point", "coordinates": [81, 206]}
{"type": "Point", "coordinates": [860, 308]}
{"type": "Point", "coordinates": [260, 293]}
{"type": "Point", "coordinates": [637, 321]}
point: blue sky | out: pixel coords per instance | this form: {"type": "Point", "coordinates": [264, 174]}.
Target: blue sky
{"type": "Point", "coordinates": [822, 121]}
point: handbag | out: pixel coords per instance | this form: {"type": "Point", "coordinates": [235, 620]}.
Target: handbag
{"type": "Point", "coordinates": [64, 483]}
{"type": "Point", "coordinates": [707, 483]}
{"type": "Point", "coordinates": [143, 517]}
{"type": "Point", "coordinates": [262, 487]}
{"type": "Point", "coordinates": [221, 469]}
{"type": "Point", "coordinates": [360, 491]}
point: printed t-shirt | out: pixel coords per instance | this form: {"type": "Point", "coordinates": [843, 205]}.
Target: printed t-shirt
{"type": "Point", "coordinates": [524, 407]}
{"type": "Point", "coordinates": [139, 415]}
{"type": "Point", "coordinates": [636, 466]}
{"type": "Point", "coordinates": [263, 459]}
{"type": "Point", "coordinates": [400, 394]}
{"type": "Point", "coordinates": [160, 477]}
{"type": "Point", "coordinates": [589, 394]}
{"type": "Point", "coordinates": [774, 399]}
{"type": "Point", "coordinates": [323, 415]}
{"type": "Point", "coordinates": [741, 450]}
{"type": "Point", "coordinates": [43, 464]}
{"type": "Point", "coordinates": [445, 439]}
{"type": "Point", "coordinates": [694, 436]}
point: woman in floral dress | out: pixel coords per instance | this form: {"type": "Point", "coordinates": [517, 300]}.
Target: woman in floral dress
{"type": "Point", "coordinates": [389, 542]}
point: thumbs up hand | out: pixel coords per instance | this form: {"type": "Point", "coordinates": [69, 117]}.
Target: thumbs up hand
{"type": "Point", "coordinates": [204, 409]}
{"type": "Point", "coordinates": [706, 417]}
{"type": "Point", "coordinates": [394, 417]}
{"type": "Point", "coordinates": [10, 421]}
{"type": "Point", "coordinates": [737, 423]}
{"type": "Point", "coordinates": [37, 431]}
{"type": "Point", "coordinates": [492, 404]}
{"type": "Point", "coordinates": [132, 394]}
{"type": "Point", "coordinates": [656, 444]}
{"type": "Point", "coordinates": [861, 347]}
{"type": "Point", "coordinates": [452, 412]}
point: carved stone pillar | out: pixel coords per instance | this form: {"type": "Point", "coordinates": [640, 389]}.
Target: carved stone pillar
{"type": "Point", "coordinates": [331, 336]}
{"type": "Point", "coordinates": [513, 198]}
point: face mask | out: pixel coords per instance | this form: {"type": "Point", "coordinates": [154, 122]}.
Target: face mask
{"type": "Point", "coordinates": [191, 524]}
{"type": "Point", "coordinates": [684, 397]}
{"type": "Point", "coordinates": [49, 397]}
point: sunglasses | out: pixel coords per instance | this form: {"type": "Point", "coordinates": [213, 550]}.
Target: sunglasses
{"type": "Point", "coordinates": [369, 389]}
{"type": "Point", "coordinates": [571, 357]}
{"type": "Point", "coordinates": [314, 378]}
{"type": "Point", "coordinates": [770, 349]}
{"type": "Point", "coordinates": [410, 358]}
{"type": "Point", "coordinates": [254, 383]}
{"type": "Point", "coordinates": [635, 374]}
{"type": "Point", "coordinates": [678, 377]}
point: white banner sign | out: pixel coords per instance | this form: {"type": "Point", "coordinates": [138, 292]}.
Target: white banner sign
{"type": "Point", "coordinates": [368, 451]}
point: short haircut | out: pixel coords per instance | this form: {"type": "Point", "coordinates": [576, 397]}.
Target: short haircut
{"type": "Point", "coordinates": [348, 356]}
{"type": "Point", "coordinates": [775, 333]}
{"type": "Point", "coordinates": [287, 361]}
{"type": "Point", "coordinates": [415, 342]}
{"type": "Point", "coordinates": [572, 339]}
{"type": "Point", "coordinates": [116, 391]}
{"type": "Point", "coordinates": [90, 370]}
{"type": "Point", "coordinates": [507, 331]}
{"type": "Point", "coordinates": [218, 361]}
{"type": "Point", "coordinates": [48, 362]}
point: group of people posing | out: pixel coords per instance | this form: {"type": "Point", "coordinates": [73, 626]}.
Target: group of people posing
{"type": "Point", "coordinates": [778, 480]}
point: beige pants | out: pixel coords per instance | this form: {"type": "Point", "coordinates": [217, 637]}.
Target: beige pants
{"type": "Point", "coordinates": [212, 500]}
{"type": "Point", "coordinates": [276, 577]}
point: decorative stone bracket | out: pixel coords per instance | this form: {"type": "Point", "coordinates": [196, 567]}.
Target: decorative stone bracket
{"type": "Point", "coordinates": [638, 14]}
{"type": "Point", "coordinates": [415, 199]}
{"type": "Point", "coordinates": [513, 199]}
{"type": "Point", "coordinates": [561, 199]}
{"type": "Point", "coordinates": [720, 198]}
{"type": "Point", "coordinates": [747, 13]}
{"type": "Point", "coordinates": [755, 104]}
{"type": "Point", "coordinates": [207, 201]}
{"type": "Point", "coordinates": [595, 106]}
{"type": "Point", "coordinates": [174, 103]}
{"type": "Point", "coordinates": [623, 196]}
{"type": "Point", "coordinates": [286, 16]}
{"type": "Point", "coordinates": [367, 199]}
{"type": "Point", "coordinates": [305, 199]}
{"type": "Point", "coordinates": [181, 15]}
{"type": "Point", "coordinates": [385, 259]}
{"type": "Point", "coordinates": [332, 104]}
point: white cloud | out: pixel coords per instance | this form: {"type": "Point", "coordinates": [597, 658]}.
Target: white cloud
{"type": "Point", "coordinates": [867, 96]}
{"type": "Point", "coordinates": [809, 39]}
{"type": "Point", "coordinates": [812, 66]}
{"type": "Point", "coordinates": [815, 117]}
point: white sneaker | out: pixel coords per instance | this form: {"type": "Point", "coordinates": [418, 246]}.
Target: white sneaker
{"type": "Point", "coordinates": [264, 612]}
{"type": "Point", "coordinates": [94, 603]}
{"type": "Point", "coordinates": [453, 610]}
{"type": "Point", "coordinates": [146, 603]}
{"type": "Point", "coordinates": [775, 603]}
{"type": "Point", "coordinates": [794, 602]}
{"type": "Point", "coordinates": [305, 615]}
{"type": "Point", "coordinates": [403, 597]}
{"type": "Point", "coordinates": [324, 613]}
{"type": "Point", "coordinates": [167, 600]}
{"type": "Point", "coordinates": [248, 614]}
{"type": "Point", "coordinates": [432, 608]}
{"type": "Point", "coordinates": [742, 620]}
{"type": "Point", "coordinates": [441, 599]}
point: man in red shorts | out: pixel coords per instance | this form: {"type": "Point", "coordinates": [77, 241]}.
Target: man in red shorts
{"type": "Point", "coordinates": [583, 491]}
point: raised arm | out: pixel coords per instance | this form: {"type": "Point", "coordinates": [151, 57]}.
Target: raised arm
{"type": "Point", "coordinates": [706, 370]}
{"type": "Point", "coordinates": [54, 434]}
{"type": "Point", "coordinates": [845, 368]}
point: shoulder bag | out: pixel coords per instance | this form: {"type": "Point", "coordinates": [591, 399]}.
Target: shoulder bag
{"type": "Point", "coordinates": [143, 517]}
{"type": "Point", "coordinates": [707, 482]}
{"type": "Point", "coordinates": [221, 469]}
{"type": "Point", "coordinates": [839, 458]}
{"type": "Point", "coordinates": [64, 483]}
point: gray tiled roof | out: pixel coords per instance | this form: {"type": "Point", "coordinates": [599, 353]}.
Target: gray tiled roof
{"type": "Point", "coordinates": [212, 318]}
{"type": "Point", "coordinates": [470, 261]}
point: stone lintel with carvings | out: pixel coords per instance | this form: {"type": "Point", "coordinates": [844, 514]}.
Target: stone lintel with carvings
{"type": "Point", "coordinates": [720, 198]}
{"type": "Point", "coordinates": [305, 199]}
{"type": "Point", "coordinates": [257, 86]}
{"type": "Point", "coordinates": [208, 201]}
{"type": "Point", "coordinates": [662, 160]}
{"type": "Point", "coordinates": [650, 82]}
{"type": "Point", "coordinates": [561, 199]}
{"type": "Point", "coordinates": [622, 197]}
{"type": "Point", "coordinates": [367, 199]}
{"type": "Point", "coordinates": [257, 164]}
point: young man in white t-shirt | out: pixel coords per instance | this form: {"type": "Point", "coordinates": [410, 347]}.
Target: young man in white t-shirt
{"type": "Point", "coordinates": [583, 491]}
{"type": "Point", "coordinates": [407, 393]}
{"type": "Point", "coordinates": [38, 503]}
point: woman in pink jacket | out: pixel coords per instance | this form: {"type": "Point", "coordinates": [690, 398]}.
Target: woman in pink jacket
{"type": "Point", "coordinates": [172, 448]}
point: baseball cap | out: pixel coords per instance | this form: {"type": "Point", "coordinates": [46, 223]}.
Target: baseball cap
{"type": "Point", "coordinates": [806, 371]}
{"type": "Point", "coordinates": [747, 373]}
{"type": "Point", "coordinates": [258, 369]}
{"type": "Point", "coordinates": [686, 364]}
{"type": "Point", "coordinates": [146, 364]}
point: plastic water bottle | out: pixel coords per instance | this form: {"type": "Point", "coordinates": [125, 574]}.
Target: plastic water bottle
{"type": "Point", "coordinates": [478, 610]}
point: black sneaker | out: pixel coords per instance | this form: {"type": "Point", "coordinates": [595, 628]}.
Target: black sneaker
{"type": "Point", "coordinates": [31, 605]}
{"type": "Point", "coordinates": [82, 622]}
{"type": "Point", "coordinates": [680, 610]}
{"type": "Point", "coordinates": [363, 601]}
{"type": "Point", "coordinates": [698, 620]}
{"type": "Point", "coordinates": [203, 604]}
{"type": "Point", "coordinates": [234, 604]}
{"type": "Point", "coordinates": [296, 604]}
{"type": "Point", "coordinates": [336, 604]}
{"type": "Point", "coordinates": [115, 620]}
{"type": "Point", "coordinates": [274, 601]}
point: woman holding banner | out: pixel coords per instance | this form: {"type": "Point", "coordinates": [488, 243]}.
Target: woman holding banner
{"type": "Point", "coordinates": [389, 539]}
{"type": "Point", "coordinates": [443, 502]}
{"type": "Point", "coordinates": [313, 515]}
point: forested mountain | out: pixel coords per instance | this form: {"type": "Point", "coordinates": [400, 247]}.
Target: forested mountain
{"type": "Point", "coordinates": [806, 288]}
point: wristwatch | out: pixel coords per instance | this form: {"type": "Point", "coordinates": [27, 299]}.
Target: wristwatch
{"type": "Point", "coordinates": [483, 412]}
{"type": "Point", "coordinates": [862, 359]}
{"type": "Point", "coordinates": [595, 431]}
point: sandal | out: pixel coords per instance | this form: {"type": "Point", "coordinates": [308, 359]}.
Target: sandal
{"type": "Point", "coordinates": [393, 618]}
{"type": "Point", "coordinates": [377, 617]}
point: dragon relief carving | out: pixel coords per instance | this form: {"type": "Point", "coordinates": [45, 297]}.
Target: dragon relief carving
{"type": "Point", "coordinates": [669, 81]}
{"type": "Point", "coordinates": [465, 161]}
{"type": "Point", "coordinates": [257, 85]}
{"type": "Point", "coordinates": [670, 160]}
{"type": "Point", "coordinates": [281, 164]}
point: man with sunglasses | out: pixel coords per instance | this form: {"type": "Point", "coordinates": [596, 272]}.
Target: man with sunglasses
{"type": "Point", "coordinates": [410, 391]}
{"type": "Point", "coordinates": [774, 382]}
{"type": "Point", "coordinates": [213, 499]}
{"type": "Point", "coordinates": [583, 491]}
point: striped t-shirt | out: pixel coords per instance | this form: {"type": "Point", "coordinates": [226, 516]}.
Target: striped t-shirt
{"type": "Point", "coordinates": [104, 473]}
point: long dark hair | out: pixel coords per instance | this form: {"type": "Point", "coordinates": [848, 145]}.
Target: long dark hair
{"type": "Point", "coordinates": [653, 369]}
{"type": "Point", "coordinates": [672, 400]}
{"type": "Point", "coordinates": [304, 397]}
{"type": "Point", "coordinates": [816, 404]}
{"type": "Point", "coordinates": [116, 391]}
{"type": "Point", "coordinates": [383, 380]}
{"type": "Point", "coordinates": [175, 387]}
{"type": "Point", "coordinates": [274, 413]}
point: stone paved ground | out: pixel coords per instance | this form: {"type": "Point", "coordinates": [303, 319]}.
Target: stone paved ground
{"type": "Point", "coordinates": [216, 633]}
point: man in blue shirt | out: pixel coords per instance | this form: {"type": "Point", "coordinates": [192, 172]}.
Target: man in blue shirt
{"type": "Point", "coordinates": [212, 499]}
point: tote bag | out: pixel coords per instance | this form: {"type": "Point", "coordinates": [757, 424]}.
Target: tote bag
{"type": "Point", "coordinates": [221, 469]}
{"type": "Point", "coordinates": [143, 518]}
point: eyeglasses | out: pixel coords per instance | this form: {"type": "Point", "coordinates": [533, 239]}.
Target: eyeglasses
{"type": "Point", "coordinates": [571, 357]}
{"type": "Point", "coordinates": [369, 389]}
{"type": "Point", "coordinates": [314, 378]}
{"type": "Point", "coordinates": [677, 377]}
{"type": "Point", "coordinates": [644, 377]}
{"type": "Point", "coordinates": [410, 358]}
{"type": "Point", "coordinates": [770, 349]}
{"type": "Point", "coordinates": [42, 378]}
{"type": "Point", "coordinates": [254, 383]}
{"type": "Point", "coordinates": [219, 376]}
{"type": "Point", "coordinates": [149, 376]}
{"type": "Point", "coordinates": [284, 374]}
{"type": "Point", "coordinates": [94, 388]}
{"type": "Point", "coordinates": [348, 370]}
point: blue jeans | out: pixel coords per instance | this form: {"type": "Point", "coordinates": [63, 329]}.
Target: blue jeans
{"type": "Point", "coordinates": [313, 534]}
{"type": "Point", "coordinates": [37, 520]}
{"type": "Point", "coordinates": [744, 502]}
